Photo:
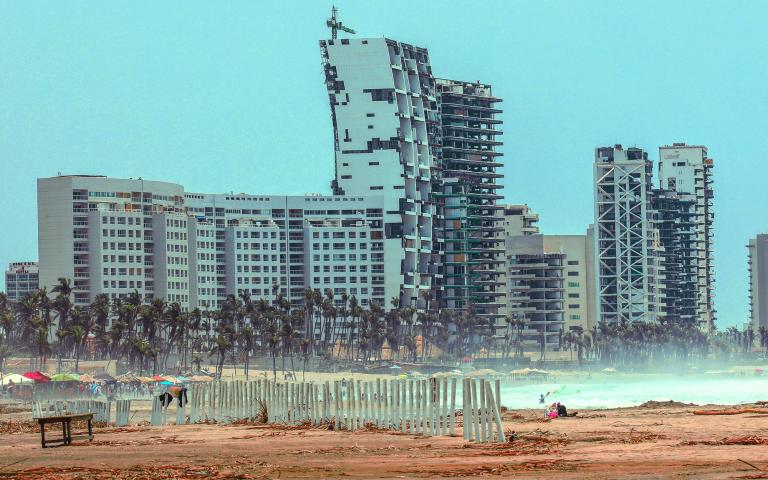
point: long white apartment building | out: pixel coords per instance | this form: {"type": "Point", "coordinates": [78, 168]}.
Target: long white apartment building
{"type": "Point", "coordinates": [116, 236]}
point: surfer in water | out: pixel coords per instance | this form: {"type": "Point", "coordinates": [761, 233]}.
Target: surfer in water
{"type": "Point", "coordinates": [543, 398]}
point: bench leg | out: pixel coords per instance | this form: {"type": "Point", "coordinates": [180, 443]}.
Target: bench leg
{"type": "Point", "coordinates": [68, 433]}
{"type": "Point", "coordinates": [90, 430]}
{"type": "Point", "coordinates": [42, 434]}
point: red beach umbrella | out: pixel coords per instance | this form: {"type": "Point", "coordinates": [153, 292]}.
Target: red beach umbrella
{"type": "Point", "coordinates": [37, 376]}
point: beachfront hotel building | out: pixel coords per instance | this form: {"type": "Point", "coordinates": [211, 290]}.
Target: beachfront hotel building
{"type": "Point", "coordinates": [21, 279]}
{"type": "Point", "coordinates": [629, 279]}
{"type": "Point", "coordinates": [757, 250]}
{"type": "Point", "coordinates": [536, 292]}
{"type": "Point", "coordinates": [384, 111]}
{"type": "Point", "coordinates": [686, 170]}
{"type": "Point", "coordinates": [578, 279]}
{"type": "Point", "coordinates": [117, 236]}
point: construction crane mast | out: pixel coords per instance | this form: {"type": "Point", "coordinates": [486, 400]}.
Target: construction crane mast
{"type": "Point", "coordinates": [336, 25]}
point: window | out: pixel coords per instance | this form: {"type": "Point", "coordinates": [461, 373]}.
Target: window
{"type": "Point", "coordinates": [573, 262]}
{"type": "Point", "coordinates": [574, 317]}
{"type": "Point", "coordinates": [573, 284]}
{"type": "Point", "coordinates": [573, 305]}
{"type": "Point", "coordinates": [573, 274]}
{"type": "Point", "coordinates": [573, 295]}
{"type": "Point", "coordinates": [377, 187]}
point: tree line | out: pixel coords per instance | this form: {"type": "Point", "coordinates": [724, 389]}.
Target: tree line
{"type": "Point", "coordinates": [147, 333]}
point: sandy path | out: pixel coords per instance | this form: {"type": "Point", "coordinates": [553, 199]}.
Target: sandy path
{"type": "Point", "coordinates": [625, 443]}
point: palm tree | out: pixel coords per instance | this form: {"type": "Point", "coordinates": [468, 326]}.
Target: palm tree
{"type": "Point", "coordinates": [220, 349]}
{"type": "Point", "coordinates": [42, 345]}
{"type": "Point", "coordinates": [78, 334]}
{"type": "Point", "coordinates": [245, 338]}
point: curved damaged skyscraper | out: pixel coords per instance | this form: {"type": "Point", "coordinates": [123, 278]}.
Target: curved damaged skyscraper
{"type": "Point", "coordinates": [428, 147]}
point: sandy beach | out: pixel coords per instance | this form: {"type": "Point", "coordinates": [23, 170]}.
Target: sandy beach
{"type": "Point", "coordinates": [652, 441]}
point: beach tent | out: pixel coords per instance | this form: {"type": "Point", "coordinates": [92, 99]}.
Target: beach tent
{"type": "Point", "coordinates": [37, 376]}
{"type": "Point", "coordinates": [65, 377]}
{"type": "Point", "coordinates": [13, 378]}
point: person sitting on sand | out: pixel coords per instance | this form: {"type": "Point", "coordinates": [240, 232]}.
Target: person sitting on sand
{"type": "Point", "coordinates": [561, 410]}
{"type": "Point", "coordinates": [552, 413]}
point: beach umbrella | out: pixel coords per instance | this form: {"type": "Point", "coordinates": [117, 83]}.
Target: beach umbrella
{"type": "Point", "coordinates": [14, 378]}
{"type": "Point", "coordinates": [395, 367]}
{"type": "Point", "coordinates": [37, 376]}
{"type": "Point", "coordinates": [166, 382]}
{"type": "Point", "coordinates": [85, 378]}
{"type": "Point", "coordinates": [171, 379]}
{"type": "Point", "coordinates": [104, 378]}
{"type": "Point", "coordinates": [65, 377]}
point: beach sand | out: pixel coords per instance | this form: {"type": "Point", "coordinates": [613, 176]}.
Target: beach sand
{"type": "Point", "coordinates": [659, 441]}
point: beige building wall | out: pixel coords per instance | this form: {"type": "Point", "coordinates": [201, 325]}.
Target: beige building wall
{"type": "Point", "coordinates": [576, 269]}
{"type": "Point", "coordinates": [519, 220]}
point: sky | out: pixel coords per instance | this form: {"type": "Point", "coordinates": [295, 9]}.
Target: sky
{"type": "Point", "coordinates": [229, 97]}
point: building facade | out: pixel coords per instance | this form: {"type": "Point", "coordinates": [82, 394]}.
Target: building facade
{"type": "Point", "coordinates": [519, 220]}
{"type": "Point", "coordinates": [196, 249]}
{"type": "Point", "coordinates": [467, 191]}
{"type": "Point", "coordinates": [629, 282]}
{"type": "Point", "coordinates": [675, 220]}
{"type": "Point", "coordinates": [578, 289]}
{"type": "Point", "coordinates": [757, 250]}
{"type": "Point", "coordinates": [536, 292]}
{"type": "Point", "coordinates": [687, 171]}
{"type": "Point", "coordinates": [384, 112]}
{"type": "Point", "coordinates": [21, 279]}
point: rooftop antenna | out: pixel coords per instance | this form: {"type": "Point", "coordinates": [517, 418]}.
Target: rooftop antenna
{"type": "Point", "coordinates": [336, 25]}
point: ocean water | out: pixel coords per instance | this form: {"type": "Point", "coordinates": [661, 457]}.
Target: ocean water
{"type": "Point", "coordinates": [610, 393]}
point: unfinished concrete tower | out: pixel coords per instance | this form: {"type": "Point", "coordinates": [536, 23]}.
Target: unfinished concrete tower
{"type": "Point", "coordinates": [472, 222]}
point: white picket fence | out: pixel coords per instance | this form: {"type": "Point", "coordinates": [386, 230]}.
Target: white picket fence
{"type": "Point", "coordinates": [425, 407]}
{"type": "Point", "coordinates": [101, 410]}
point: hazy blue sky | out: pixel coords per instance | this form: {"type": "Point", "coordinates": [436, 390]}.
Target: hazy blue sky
{"type": "Point", "coordinates": [229, 96]}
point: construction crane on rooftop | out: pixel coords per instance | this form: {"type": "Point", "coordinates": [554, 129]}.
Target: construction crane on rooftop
{"type": "Point", "coordinates": [336, 25]}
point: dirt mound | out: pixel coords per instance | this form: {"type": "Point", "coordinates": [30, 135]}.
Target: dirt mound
{"type": "Point", "coordinates": [665, 404]}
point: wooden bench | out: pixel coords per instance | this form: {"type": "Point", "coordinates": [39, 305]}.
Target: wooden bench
{"type": "Point", "coordinates": [66, 428]}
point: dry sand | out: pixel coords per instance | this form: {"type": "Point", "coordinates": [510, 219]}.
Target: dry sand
{"type": "Point", "coordinates": [660, 441]}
